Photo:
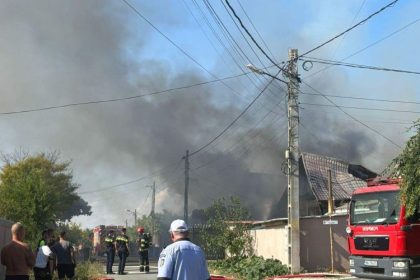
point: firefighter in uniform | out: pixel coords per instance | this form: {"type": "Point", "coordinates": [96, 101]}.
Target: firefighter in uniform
{"type": "Point", "coordinates": [110, 251]}
{"type": "Point", "coordinates": [122, 248]}
{"type": "Point", "coordinates": [144, 242]}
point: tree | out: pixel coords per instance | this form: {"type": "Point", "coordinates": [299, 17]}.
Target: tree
{"type": "Point", "coordinates": [226, 228]}
{"type": "Point", "coordinates": [39, 192]}
{"type": "Point", "coordinates": [408, 166]}
{"type": "Point", "coordinates": [75, 234]}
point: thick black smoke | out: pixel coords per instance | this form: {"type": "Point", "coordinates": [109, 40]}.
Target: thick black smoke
{"type": "Point", "coordinates": [56, 53]}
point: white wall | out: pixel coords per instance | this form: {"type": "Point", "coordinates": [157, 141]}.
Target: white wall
{"type": "Point", "coordinates": [271, 243]}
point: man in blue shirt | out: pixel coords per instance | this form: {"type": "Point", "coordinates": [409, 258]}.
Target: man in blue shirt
{"type": "Point", "coordinates": [182, 260]}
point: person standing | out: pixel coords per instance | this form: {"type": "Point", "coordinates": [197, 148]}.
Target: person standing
{"type": "Point", "coordinates": [16, 256]}
{"type": "Point", "coordinates": [144, 242]}
{"type": "Point", "coordinates": [66, 261]}
{"type": "Point", "coordinates": [122, 248]}
{"type": "Point", "coordinates": [110, 251]}
{"type": "Point", "coordinates": [182, 260]}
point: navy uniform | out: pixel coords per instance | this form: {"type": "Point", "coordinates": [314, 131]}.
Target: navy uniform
{"type": "Point", "coordinates": [122, 248]}
{"type": "Point", "coordinates": [144, 243]}
{"type": "Point", "coordinates": [110, 251]}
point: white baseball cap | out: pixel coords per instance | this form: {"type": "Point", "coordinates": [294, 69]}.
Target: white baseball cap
{"type": "Point", "coordinates": [178, 226]}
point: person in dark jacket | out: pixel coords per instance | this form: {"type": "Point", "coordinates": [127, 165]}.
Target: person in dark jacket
{"type": "Point", "coordinates": [122, 249]}
{"type": "Point", "coordinates": [144, 242]}
{"type": "Point", "coordinates": [110, 251]}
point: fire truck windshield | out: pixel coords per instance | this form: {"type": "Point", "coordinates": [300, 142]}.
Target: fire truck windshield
{"type": "Point", "coordinates": [375, 208]}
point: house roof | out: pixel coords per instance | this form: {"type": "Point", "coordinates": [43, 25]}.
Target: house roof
{"type": "Point", "coordinates": [343, 182]}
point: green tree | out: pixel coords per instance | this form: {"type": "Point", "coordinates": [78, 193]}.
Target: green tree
{"type": "Point", "coordinates": [227, 228]}
{"type": "Point", "coordinates": [76, 234]}
{"type": "Point", "coordinates": [39, 192]}
{"type": "Point", "coordinates": [408, 166]}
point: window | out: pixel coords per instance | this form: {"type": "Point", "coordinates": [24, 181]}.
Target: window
{"type": "Point", "coordinates": [375, 208]}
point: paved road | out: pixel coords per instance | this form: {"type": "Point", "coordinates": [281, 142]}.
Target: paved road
{"type": "Point", "coordinates": [133, 273]}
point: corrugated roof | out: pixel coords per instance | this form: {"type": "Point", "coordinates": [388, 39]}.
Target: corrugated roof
{"type": "Point", "coordinates": [343, 183]}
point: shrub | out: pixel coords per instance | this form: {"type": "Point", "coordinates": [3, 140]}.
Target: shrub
{"type": "Point", "coordinates": [249, 267]}
{"type": "Point", "coordinates": [89, 270]}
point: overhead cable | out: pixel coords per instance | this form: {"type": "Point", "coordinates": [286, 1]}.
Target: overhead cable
{"type": "Point", "coordinates": [363, 98]}
{"type": "Point", "coordinates": [235, 120]}
{"type": "Point", "coordinates": [354, 118]}
{"type": "Point", "coordinates": [361, 108]}
{"type": "Point", "coordinates": [368, 46]}
{"type": "Point", "coordinates": [178, 47]}
{"type": "Point", "coordinates": [120, 98]}
{"type": "Point", "coordinates": [152, 175]}
{"type": "Point", "coordinates": [350, 28]}
{"type": "Point", "coordinates": [353, 65]}
{"type": "Point", "coordinates": [250, 35]}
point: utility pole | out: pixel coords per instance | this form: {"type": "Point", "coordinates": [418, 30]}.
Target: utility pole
{"type": "Point", "coordinates": [187, 182]}
{"type": "Point", "coordinates": [152, 213]}
{"type": "Point", "coordinates": [135, 217]}
{"type": "Point", "coordinates": [292, 156]}
{"type": "Point", "coordinates": [330, 212]}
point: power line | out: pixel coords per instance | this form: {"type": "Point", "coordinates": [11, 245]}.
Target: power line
{"type": "Point", "coordinates": [350, 28]}
{"type": "Point", "coordinates": [361, 108]}
{"type": "Point", "coordinates": [121, 98]}
{"type": "Point", "coordinates": [152, 175]}
{"type": "Point", "coordinates": [363, 98]}
{"type": "Point", "coordinates": [352, 22]}
{"type": "Point", "coordinates": [232, 41]}
{"type": "Point", "coordinates": [353, 65]}
{"type": "Point", "coordinates": [256, 30]}
{"type": "Point", "coordinates": [368, 46]}
{"type": "Point", "coordinates": [352, 117]}
{"type": "Point", "coordinates": [236, 144]}
{"type": "Point", "coordinates": [178, 47]}
{"type": "Point", "coordinates": [234, 121]}
{"type": "Point", "coordinates": [250, 35]}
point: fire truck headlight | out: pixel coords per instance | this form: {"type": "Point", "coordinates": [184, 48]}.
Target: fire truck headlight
{"type": "Point", "coordinates": [348, 230]}
{"type": "Point", "coordinates": [400, 264]}
{"type": "Point", "coordinates": [351, 262]}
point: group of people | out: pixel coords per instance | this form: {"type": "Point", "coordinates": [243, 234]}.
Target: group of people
{"type": "Point", "coordinates": [119, 244]}
{"type": "Point", "coordinates": [51, 254]}
{"type": "Point", "coordinates": [180, 260]}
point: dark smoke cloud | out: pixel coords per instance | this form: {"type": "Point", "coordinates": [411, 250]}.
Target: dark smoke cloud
{"type": "Point", "coordinates": [55, 53]}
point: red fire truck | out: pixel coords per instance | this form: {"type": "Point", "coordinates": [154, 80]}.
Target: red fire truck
{"type": "Point", "coordinates": [383, 242]}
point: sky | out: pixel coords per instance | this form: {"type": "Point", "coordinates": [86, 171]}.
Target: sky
{"type": "Point", "coordinates": [54, 54]}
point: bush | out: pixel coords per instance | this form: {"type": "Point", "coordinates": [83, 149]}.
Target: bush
{"type": "Point", "coordinates": [89, 270]}
{"type": "Point", "coordinates": [249, 267]}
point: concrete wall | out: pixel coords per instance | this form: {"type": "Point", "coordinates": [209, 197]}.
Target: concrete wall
{"type": "Point", "coordinates": [5, 237]}
{"type": "Point", "coordinates": [270, 241]}
{"type": "Point", "coordinates": [315, 244]}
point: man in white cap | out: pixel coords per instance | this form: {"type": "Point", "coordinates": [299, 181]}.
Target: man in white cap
{"type": "Point", "coordinates": [182, 260]}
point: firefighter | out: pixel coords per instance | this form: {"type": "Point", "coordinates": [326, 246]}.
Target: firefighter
{"type": "Point", "coordinates": [110, 251]}
{"type": "Point", "coordinates": [144, 242]}
{"type": "Point", "coordinates": [122, 248]}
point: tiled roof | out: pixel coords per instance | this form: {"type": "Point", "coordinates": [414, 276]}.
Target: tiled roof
{"type": "Point", "coordinates": [343, 183]}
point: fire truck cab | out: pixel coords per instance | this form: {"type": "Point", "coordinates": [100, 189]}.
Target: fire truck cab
{"type": "Point", "coordinates": [383, 242]}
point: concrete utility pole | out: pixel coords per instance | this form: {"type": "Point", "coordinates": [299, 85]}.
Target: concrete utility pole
{"type": "Point", "coordinates": [134, 213]}
{"type": "Point", "coordinates": [330, 212]}
{"type": "Point", "coordinates": [152, 213]}
{"type": "Point", "coordinates": [187, 182]}
{"type": "Point", "coordinates": [292, 156]}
